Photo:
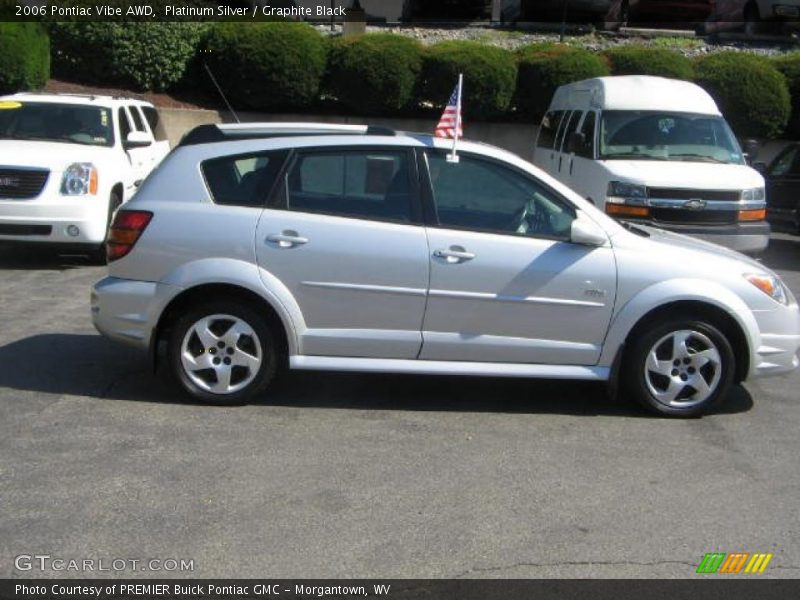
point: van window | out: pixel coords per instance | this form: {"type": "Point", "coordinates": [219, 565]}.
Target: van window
{"type": "Point", "coordinates": [587, 128]}
{"type": "Point", "coordinates": [547, 131]}
{"type": "Point", "coordinates": [566, 130]}
{"type": "Point", "coordinates": [658, 135]}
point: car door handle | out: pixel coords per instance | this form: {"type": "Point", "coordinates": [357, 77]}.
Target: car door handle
{"type": "Point", "coordinates": [454, 254]}
{"type": "Point", "coordinates": [287, 239]}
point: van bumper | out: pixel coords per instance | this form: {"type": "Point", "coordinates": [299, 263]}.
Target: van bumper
{"type": "Point", "coordinates": [748, 238]}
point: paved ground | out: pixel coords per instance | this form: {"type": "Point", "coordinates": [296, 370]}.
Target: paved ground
{"type": "Point", "coordinates": [349, 475]}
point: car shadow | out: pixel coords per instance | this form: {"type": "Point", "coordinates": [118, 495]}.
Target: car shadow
{"type": "Point", "coordinates": [31, 258]}
{"type": "Point", "coordinates": [92, 366]}
{"type": "Point", "coordinates": [782, 254]}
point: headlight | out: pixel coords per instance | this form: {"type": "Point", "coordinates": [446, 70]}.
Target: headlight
{"type": "Point", "coordinates": [79, 179]}
{"type": "Point", "coordinates": [770, 285]}
{"type": "Point", "coordinates": [622, 192]}
{"type": "Point", "coordinates": [754, 195]}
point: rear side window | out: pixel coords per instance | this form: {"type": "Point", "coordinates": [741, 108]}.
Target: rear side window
{"type": "Point", "coordinates": [363, 184]}
{"type": "Point", "coordinates": [586, 151]}
{"type": "Point", "coordinates": [243, 180]}
{"type": "Point", "coordinates": [567, 130]}
{"type": "Point", "coordinates": [156, 125]}
{"type": "Point", "coordinates": [124, 124]}
{"type": "Point", "coordinates": [138, 123]}
{"type": "Point", "coordinates": [547, 131]}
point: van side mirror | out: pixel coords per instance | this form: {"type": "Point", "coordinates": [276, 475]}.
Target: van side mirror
{"type": "Point", "coordinates": [587, 233]}
{"type": "Point", "coordinates": [576, 142]}
{"type": "Point", "coordinates": [136, 139]}
{"type": "Point", "coordinates": [751, 147]}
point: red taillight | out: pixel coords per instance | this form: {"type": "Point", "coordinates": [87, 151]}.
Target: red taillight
{"type": "Point", "coordinates": [126, 229]}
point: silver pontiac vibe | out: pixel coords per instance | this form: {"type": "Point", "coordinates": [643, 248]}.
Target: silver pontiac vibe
{"type": "Point", "coordinates": [362, 249]}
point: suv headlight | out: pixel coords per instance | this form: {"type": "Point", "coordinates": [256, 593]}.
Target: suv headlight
{"type": "Point", "coordinates": [622, 192]}
{"type": "Point", "coordinates": [79, 179]}
{"type": "Point", "coordinates": [770, 285]}
{"type": "Point", "coordinates": [754, 195]}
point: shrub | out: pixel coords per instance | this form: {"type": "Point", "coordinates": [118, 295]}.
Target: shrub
{"type": "Point", "coordinates": [24, 57]}
{"type": "Point", "coordinates": [543, 68]}
{"type": "Point", "coordinates": [640, 60]}
{"type": "Point", "coordinates": [489, 77]}
{"type": "Point", "coordinates": [789, 65]}
{"type": "Point", "coordinates": [750, 92]}
{"type": "Point", "coordinates": [267, 66]}
{"type": "Point", "coordinates": [375, 73]}
{"type": "Point", "coordinates": [141, 56]}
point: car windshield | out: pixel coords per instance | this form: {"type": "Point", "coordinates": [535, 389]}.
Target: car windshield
{"type": "Point", "coordinates": [51, 122]}
{"type": "Point", "coordinates": [656, 135]}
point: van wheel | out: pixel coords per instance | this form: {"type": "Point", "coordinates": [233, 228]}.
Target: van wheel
{"type": "Point", "coordinates": [222, 353]}
{"type": "Point", "coordinates": [682, 367]}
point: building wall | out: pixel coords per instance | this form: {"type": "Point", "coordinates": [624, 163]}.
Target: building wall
{"type": "Point", "coordinates": [516, 137]}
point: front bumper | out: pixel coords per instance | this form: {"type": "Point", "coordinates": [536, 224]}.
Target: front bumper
{"type": "Point", "coordinates": [128, 311]}
{"type": "Point", "coordinates": [747, 238]}
{"type": "Point", "coordinates": [779, 342]}
{"type": "Point", "coordinates": [54, 219]}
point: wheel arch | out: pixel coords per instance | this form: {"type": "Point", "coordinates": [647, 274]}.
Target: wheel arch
{"type": "Point", "coordinates": [711, 313]}
{"type": "Point", "coordinates": [209, 292]}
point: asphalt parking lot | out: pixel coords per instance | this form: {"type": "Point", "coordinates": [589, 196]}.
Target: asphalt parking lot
{"type": "Point", "coordinates": [344, 475]}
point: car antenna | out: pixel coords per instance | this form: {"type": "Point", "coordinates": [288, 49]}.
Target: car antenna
{"type": "Point", "coordinates": [221, 93]}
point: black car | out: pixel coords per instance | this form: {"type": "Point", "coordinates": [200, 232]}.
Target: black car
{"type": "Point", "coordinates": [783, 187]}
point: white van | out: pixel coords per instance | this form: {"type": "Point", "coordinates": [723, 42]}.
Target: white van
{"type": "Point", "coordinates": [656, 151]}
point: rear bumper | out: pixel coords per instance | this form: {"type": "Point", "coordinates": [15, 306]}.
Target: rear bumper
{"type": "Point", "coordinates": [748, 238]}
{"type": "Point", "coordinates": [128, 311]}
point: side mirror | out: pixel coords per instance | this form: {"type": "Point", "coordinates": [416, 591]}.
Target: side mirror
{"type": "Point", "coordinates": [587, 233]}
{"type": "Point", "coordinates": [576, 141]}
{"type": "Point", "coordinates": [751, 148]}
{"type": "Point", "coordinates": [761, 167]}
{"type": "Point", "coordinates": [136, 139]}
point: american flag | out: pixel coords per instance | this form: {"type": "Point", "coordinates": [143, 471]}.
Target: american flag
{"type": "Point", "coordinates": [451, 118]}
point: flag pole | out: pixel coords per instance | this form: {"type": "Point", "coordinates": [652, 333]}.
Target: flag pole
{"type": "Point", "coordinates": [453, 156]}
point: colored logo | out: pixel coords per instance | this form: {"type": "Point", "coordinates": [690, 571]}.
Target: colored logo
{"type": "Point", "coordinates": [734, 563]}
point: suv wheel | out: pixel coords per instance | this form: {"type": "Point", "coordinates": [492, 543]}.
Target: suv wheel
{"type": "Point", "coordinates": [680, 368]}
{"type": "Point", "coordinates": [222, 353]}
{"type": "Point", "coordinates": [98, 255]}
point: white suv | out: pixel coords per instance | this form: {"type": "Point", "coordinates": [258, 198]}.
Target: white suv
{"type": "Point", "coordinates": [68, 161]}
{"type": "Point", "coordinates": [355, 249]}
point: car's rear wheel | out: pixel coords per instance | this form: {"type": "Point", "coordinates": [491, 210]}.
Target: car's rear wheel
{"type": "Point", "coordinates": [222, 353]}
{"type": "Point", "coordinates": [682, 367]}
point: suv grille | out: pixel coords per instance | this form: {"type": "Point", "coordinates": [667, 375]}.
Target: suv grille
{"type": "Point", "coordinates": [20, 184]}
{"type": "Point", "coordinates": [684, 194]}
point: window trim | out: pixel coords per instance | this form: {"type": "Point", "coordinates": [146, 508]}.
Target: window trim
{"type": "Point", "coordinates": [432, 218]}
{"type": "Point", "coordinates": [282, 156]}
{"type": "Point", "coordinates": [279, 196]}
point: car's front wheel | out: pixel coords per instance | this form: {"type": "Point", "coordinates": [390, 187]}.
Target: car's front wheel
{"type": "Point", "coordinates": [222, 353]}
{"type": "Point", "coordinates": [681, 367]}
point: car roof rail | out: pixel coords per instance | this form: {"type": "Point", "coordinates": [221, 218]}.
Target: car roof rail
{"type": "Point", "coordinates": [212, 133]}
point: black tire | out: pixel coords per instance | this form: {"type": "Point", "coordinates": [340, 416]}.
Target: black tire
{"type": "Point", "coordinates": [197, 385]}
{"type": "Point", "coordinates": [641, 383]}
{"type": "Point", "coordinates": [98, 255]}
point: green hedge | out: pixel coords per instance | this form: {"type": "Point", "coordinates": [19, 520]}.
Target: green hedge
{"type": "Point", "coordinates": [375, 73]}
{"type": "Point", "coordinates": [641, 60]}
{"type": "Point", "coordinates": [545, 67]}
{"type": "Point", "coordinates": [141, 56]}
{"type": "Point", "coordinates": [489, 77]}
{"type": "Point", "coordinates": [268, 66]}
{"type": "Point", "coordinates": [789, 65]}
{"type": "Point", "coordinates": [749, 90]}
{"type": "Point", "coordinates": [24, 57]}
